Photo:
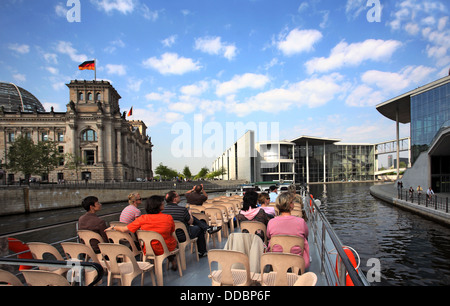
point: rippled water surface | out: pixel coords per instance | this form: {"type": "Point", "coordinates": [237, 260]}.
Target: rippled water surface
{"type": "Point", "coordinates": [412, 250]}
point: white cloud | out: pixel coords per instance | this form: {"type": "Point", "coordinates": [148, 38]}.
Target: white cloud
{"type": "Point", "coordinates": [149, 14]}
{"type": "Point", "coordinates": [122, 6]}
{"type": "Point", "coordinates": [19, 48]}
{"type": "Point", "coordinates": [134, 84]}
{"type": "Point", "coordinates": [52, 70]}
{"type": "Point", "coordinates": [215, 46]}
{"type": "Point", "coordinates": [248, 80]}
{"type": "Point", "coordinates": [116, 69]}
{"type": "Point", "coordinates": [66, 48]}
{"type": "Point", "coordinates": [313, 92]}
{"type": "Point", "coordinates": [298, 41]}
{"type": "Point", "coordinates": [345, 54]}
{"type": "Point", "coordinates": [378, 86]}
{"type": "Point", "coordinates": [195, 89]}
{"type": "Point", "coordinates": [165, 96]}
{"type": "Point", "coordinates": [429, 19]}
{"type": "Point", "coordinates": [182, 107]}
{"type": "Point", "coordinates": [19, 77]}
{"type": "Point", "coordinates": [171, 63]}
{"type": "Point", "coordinates": [169, 41]}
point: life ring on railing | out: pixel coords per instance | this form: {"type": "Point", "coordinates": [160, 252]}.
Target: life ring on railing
{"type": "Point", "coordinates": [17, 246]}
{"type": "Point", "coordinates": [311, 206]}
{"type": "Point", "coordinates": [350, 254]}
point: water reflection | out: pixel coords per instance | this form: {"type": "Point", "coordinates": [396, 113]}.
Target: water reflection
{"type": "Point", "coordinates": [411, 249]}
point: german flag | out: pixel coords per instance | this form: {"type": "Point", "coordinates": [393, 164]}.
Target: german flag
{"type": "Point", "coordinates": [130, 113]}
{"type": "Point", "coordinates": [88, 65]}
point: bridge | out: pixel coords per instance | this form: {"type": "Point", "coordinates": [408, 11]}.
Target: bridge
{"type": "Point", "coordinates": [390, 147]}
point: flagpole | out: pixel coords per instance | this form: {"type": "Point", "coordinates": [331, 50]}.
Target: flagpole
{"type": "Point", "coordinates": [95, 69]}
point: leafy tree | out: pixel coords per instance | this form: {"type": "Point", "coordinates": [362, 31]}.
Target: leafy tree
{"type": "Point", "coordinates": [165, 172]}
{"type": "Point", "coordinates": [74, 162]}
{"type": "Point", "coordinates": [22, 157]}
{"type": "Point", "coordinates": [202, 173]}
{"type": "Point", "coordinates": [29, 158]}
{"type": "Point", "coordinates": [187, 172]}
{"type": "Point", "coordinates": [48, 156]}
{"type": "Point", "coordinates": [219, 172]}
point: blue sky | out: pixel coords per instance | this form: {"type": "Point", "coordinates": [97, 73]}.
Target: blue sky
{"type": "Point", "coordinates": [315, 68]}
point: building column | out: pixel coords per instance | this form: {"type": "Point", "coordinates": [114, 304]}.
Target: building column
{"type": "Point", "coordinates": [324, 164]}
{"type": "Point", "coordinates": [398, 143]}
{"type": "Point", "coordinates": [100, 142]}
{"type": "Point", "coordinates": [307, 162]}
{"type": "Point", "coordinates": [119, 146]}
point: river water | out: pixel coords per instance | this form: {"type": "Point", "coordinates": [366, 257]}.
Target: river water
{"type": "Point", "coordinates": [411, 250]}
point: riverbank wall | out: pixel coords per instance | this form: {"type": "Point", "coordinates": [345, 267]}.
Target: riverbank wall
{"type": "Point", "coordinates": [27, 199]}
{"type": "Point", "coordinates": [388, 193]}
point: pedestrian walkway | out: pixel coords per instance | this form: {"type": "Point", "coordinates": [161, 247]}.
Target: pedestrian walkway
{"type": "Point", "coordinates": [389, 193]}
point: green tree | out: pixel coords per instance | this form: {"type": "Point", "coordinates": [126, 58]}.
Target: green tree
{"type": "Point", "coordinates": [187, 172]}
{"type": "Point", "coordinates": [23, 157]}
{"type": "Point", "coordinates": [165, 172]}
{"type": "Point", "coordinates": [74, 162]}
{"type": "Point", "coordinates": [202, 173]}
{"type": "Point", "coordinates": [216, 173]}
{"type": "Point", "coordinates": [48, 156]}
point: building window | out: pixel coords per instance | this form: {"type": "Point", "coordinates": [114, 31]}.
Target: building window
{"type": "Point", "coordinates": [89, 157]}
{"type": "Point", "coordinates": [61, 159]}
{"type": "Point", "coordinates": [89, 96]}
{"type": "Point", "coordinates": [89, 135]}
{"type": "Point", "coordinates": [60, 137]}
{"type": "Point", "coordinates": [98, 96]}
{"type": "Point", "coordinates": [44, 136]}
{"type": "Point", "coordinates": [11, 137]}
{"type": "Point", "coordinates": [80, 96]}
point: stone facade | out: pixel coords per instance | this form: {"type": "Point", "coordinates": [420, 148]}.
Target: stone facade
{"type": "Point", "coordinates": [93, 130]}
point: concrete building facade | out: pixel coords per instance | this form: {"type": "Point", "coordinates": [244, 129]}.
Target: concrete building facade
{"type": "Point", "coordinates": [92, 131]}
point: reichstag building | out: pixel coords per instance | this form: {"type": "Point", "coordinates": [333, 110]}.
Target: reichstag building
{"type": "Point", "coordinates": [93, 130]}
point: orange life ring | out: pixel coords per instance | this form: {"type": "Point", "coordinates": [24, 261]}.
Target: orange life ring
{"type": "Point", "coordinates": [351, 257]}
{"type": "Point", "coordinates": [311, 207]}
{"type": "Point", "coordinates": [17, 246]}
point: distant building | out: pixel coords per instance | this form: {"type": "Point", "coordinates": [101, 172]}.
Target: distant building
{"type": "Point", "coordinates": [301, 160]}
{"type": "Point", "coordinates": [93, 130]}
{"type": "Point", "coordinates": [427, 109]}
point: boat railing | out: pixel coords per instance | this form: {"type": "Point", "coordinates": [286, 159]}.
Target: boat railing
{"type": "Point", "coordinates": [76, 266]}
{"type": "Point", "coordinates": [334, 262]}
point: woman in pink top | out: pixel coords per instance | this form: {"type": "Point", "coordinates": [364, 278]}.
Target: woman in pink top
{"type": "Point", "coordinates": [285, 224]}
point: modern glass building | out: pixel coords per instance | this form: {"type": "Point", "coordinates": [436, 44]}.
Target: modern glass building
{"type": "Point", "coordinates": [427, 109]}
{"type": "Point", "coordinates": [430, 110]}
{"type": "Point", "coordinates": [327, 160]}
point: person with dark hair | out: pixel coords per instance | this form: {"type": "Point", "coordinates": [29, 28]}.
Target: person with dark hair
{"type": "Point", "coordinates": [273, 193]}
{"type": "Point", "coordinates": [250, 211]}
{"type": "Point", "coordinates": [197, 195]}
{"type": "Point", "coordinates": [155, 221]}
{"type": "Point", "coordinates": [90, 221]}
{"type": "Point", "coordinates": [195, 227]}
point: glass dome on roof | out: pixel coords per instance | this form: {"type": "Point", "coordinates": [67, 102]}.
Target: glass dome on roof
{"type": "Point", "coordinates": [14, 98]}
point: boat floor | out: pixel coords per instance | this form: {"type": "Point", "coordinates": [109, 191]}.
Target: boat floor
{"type": "Point", "coordinates": [196, 273]}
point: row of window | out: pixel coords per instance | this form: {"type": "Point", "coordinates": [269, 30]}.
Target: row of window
{"type": "Point", "coordinates": [88, 135]}
{"type": "Point", "coordinates": [90, 96]}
